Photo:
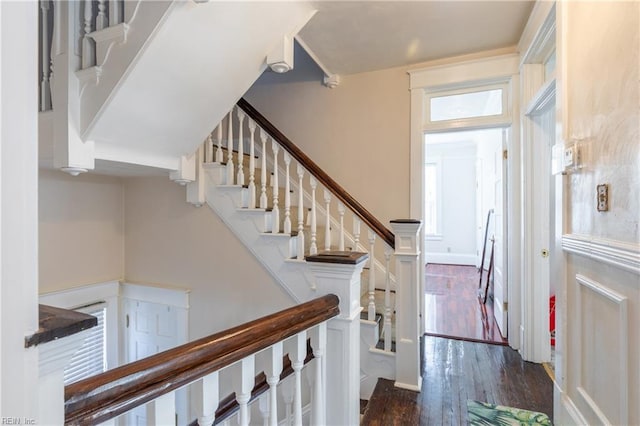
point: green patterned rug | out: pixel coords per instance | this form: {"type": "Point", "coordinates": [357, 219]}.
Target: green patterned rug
{"type": "Point", "coordinates": [485, 414]}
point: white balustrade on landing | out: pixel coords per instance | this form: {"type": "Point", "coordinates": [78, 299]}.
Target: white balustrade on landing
{"type": "Point", "coordinates": [252, 165]}
{"type": "Point", "coordinates": [230, 173]}
{"type": "Point", "coordinates": [371, 307]}
{"type": "Point", "coordinates": [314, 226]}
{"type": "Point", "coordinates": [263, 171]}
{"type": "Point", "coordinates": [287, 195]}
{"type": "Point", "coordinates": [275, 212]}
{"type": "Point", "coordinates": [327, 220]}
{"type": "Point", "coordinates": [300, 242]}
{"type": "Point", "coordinates": [219, 152]}
{"type": "Point", "coordinates": [240, 178]}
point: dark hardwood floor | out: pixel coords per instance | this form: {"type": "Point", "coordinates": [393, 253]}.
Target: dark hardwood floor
{"type": "Point", "coordinates": [452, 307]}
{"type": "Point", "coordinates": [455, 371]}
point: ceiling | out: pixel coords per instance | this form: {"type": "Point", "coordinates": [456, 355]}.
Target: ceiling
{"type": "Point", "coordinates": [350, 37]}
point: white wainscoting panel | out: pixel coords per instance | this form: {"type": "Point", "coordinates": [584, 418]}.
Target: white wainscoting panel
{"type": "Point", "coordinates": [603, 370]}
{"type": "Point", "coordinates": [623, 255]}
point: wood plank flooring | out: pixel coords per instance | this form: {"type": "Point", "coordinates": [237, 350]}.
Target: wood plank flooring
{"type": "Point", "coordinates": [452, 307]}
{"type": "Point", "coordinates": [454, 371]}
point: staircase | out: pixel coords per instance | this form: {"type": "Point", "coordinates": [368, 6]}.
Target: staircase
{"type": "Point", "coordinates": [138, 82]}
{"type": "Point", "coordinates": [271, 196]}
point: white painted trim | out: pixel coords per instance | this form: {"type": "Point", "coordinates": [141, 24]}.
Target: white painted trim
{"type": "Point", "coordinates": [471, 73]}
{"type": "Point", "coordinates": [535, 42]}
{"type": "Point", "coordinates": [157, 293]}
{"type": "Point", "coordinates": [571, 410]}
{"type": "Point", "coordinates": [451, 258]}
{"type": "Point", "coordinates": [77, 296]}
{"type": "Point", "coordinates": [619, 254]}
{"type": "Point", "coordinates": [623, 363]}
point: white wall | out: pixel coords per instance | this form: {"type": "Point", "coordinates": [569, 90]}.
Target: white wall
{"type": "Point", "coordinates": [81, 234]}
{"type": "Point", "coordinates": [456, 243]}
{"type": "Point", "coordinates": [600, 343]}
{"type": "Point", "coordinates": [168, 241]}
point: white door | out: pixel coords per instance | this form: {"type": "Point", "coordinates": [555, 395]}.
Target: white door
{"type": "Point", "coordinates": [149, 328]}
{"type": "Point", "coordinates": [500, 232]}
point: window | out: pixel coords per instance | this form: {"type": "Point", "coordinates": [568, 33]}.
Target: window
{"type": "Point", "coordinates": [466, 105]}
{"type": "Point", "coordinates": [431, 198]}
{"type": "Point", "coordinates": [90, 358]}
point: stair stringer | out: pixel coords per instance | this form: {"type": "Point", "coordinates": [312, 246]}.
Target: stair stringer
{"type": "Point", "coordinates": [197, 63]}
{"type": "Point", "coordinates": [248, 226]}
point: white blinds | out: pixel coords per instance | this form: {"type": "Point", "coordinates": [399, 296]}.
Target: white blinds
{"type": "Point", "coordinates": [90, 358]}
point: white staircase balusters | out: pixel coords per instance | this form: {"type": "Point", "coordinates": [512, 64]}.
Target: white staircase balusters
{"type": "Point", "coordinates": [286, 389]}
{"type": "Point", "coordinates": [208, 403]}
{"type": "Point", "coordinates": [45, 88]}
{"type": "Point", "coordinates": [162, 410]}
{"type": "Point", "coordinates": [264, 407]}
{"type": "Point", "coordinates": [88, 46]}
{"type": "Point", "coordinates": [219, 153]}
{"type": "Point", "coordinates": [101, 20]}
{"type": "Point", "coordinates": [252, 165]}
{"type": "Point", "coordinates": [371, 308]}
{"type": "Point", "coordinates": [297, 362]}
{"type": "Point", "coordinates": [356, 232]}
{"type": "Point", "coordinates": [300, 242]}
{"type": "Point", "coordinates": [327, 220]}
{"type": "Point", "coordinates": [209, 151]}
{"type": "Point", "coordinates": [243, 393]}
{"type": "Point", "coordinates": [241, 116]}
{"type": "Point", "coordinates": [319, 345]}
{"type": "Point", "coordinates": [314, 247]}
{"type": "Point", "coordinates": [287, 194]}
{"type": "Point", "coordinates": [273, 371]}
{"type": "Point", "coordinates": [263, 171]}
{"type": "Point", "coordinates": [275, 213]}
{"type": "Point", "coordinates": [341, 236]}
{"type": "Point", "coordinates": [230, 173]}
{"type": "Point", "coordinates": [116, 12]}
{"type": "Point", "coordinates": [388, 311]}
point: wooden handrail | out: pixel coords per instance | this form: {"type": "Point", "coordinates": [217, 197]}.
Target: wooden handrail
{"type": "Point", "coordinates": [107, 395]}
{"type": "Point", "coordinates": [367, 217]}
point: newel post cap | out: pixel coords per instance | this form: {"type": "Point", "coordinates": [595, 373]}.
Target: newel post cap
{"type": "Point", "coordinates": [406, 232]}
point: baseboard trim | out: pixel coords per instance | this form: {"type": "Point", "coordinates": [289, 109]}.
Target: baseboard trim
{"type": "Point", "coordinates": [451, 258]}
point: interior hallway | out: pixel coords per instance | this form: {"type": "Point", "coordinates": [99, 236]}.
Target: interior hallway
{"type": "Point", "coordinates": [452, 307]}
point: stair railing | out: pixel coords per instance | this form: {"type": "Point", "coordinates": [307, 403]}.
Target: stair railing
{"type": "Point", "coordinates": [314, 191]}
{"type": "Point", "coordinates": [154, 380]}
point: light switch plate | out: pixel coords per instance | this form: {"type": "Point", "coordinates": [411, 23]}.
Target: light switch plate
{"type": "Point", "coordinates": [603, 197]}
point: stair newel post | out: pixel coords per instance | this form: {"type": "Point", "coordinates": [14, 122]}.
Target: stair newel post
{"type": "Point", "coordinates": [240, 113]}
{"type": "Point", "coordinates": [219, 153]}
{"type": "Point", "coordinates": [101, 20]}
{"type": "Point", "coordinates": [287, 194]}
{"type": "Point", "coordinates": [356, 232]}
{"type": "Point", "coordinates": [243, 392]}
{"type": "Point", "coordinates": [319, 345]}
{"type": "Point", "coordinates": [297, 362]}
{"type": "Point", "coordinates": [327, 220]}
{"type": "Point", "coordinates": [230, 173]}
{"type": "Point", "coordinates": [387, 300]}
{"type": "Point", "coordinates": [263, 171]}
{"type": "Point", "coordinates": [252, 165]}
{"type": "Point", "coordinates": [275, 213]}
{"type": "Point", "coordinates": [340, 275]}
{"type": "Point", "coordinates": [45, 91]}
{"type": "Point", "coordinates": [408, 270]}
{"type": "Point", "coordinates": [300, 243]}
{"type": "Point", "coordinates": [341, 237]}
{"type": "Point", "coordinates": [273, 371]}
{"type": "Point", "coordinates": [88, 48]}
{"type": "Point", "coordinates": [314, 247]}
{"type": "Point", "coordinates": [209, 154]}
{"type": "Point", "coordinates": [371, 308]}
{"type": "Point", "coordinates": [207, 401]}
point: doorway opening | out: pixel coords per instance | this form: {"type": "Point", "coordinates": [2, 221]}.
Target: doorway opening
{"type": "Point", "coordinates": [465, 234]}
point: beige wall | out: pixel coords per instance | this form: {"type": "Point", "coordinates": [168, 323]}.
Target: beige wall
{"type": "Point", "coordinates": [602, 106]}
{"type": "Point", "coordinates": [604, 116]}
{"type": "Point", "coordinates": [81, 230]}
{"type": "Point", "coordinates": [358, 132]}
{"type": "Point", "coordinates": [168, 241]}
